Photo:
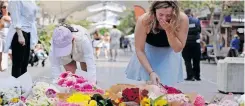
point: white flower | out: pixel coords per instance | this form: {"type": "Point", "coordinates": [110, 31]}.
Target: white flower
{"type": "Point", "coordinates": [241, 99]}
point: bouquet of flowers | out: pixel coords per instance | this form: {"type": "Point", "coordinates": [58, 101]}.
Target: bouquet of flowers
{"type": "Point", "coordinates": [171, 90]}
{"type": "Point", "coordinates": [43, 95]}
{"type": "Point", "coordinates": [152, 95]}
{"type": "Point", "coordinates": [11, 96]}
{"type": "Point", "coordinates": [227, 100]}
{"type": "Point", "coordinates": [78, 83]}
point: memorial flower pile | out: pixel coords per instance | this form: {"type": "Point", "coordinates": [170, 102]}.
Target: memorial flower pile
{"type": "Point", "coordinates": [78, 83]}
{"type": "Point", "coordinates": [82, 93]}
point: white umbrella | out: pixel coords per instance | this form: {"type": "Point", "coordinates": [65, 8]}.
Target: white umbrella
{"type": "Point", "coordinates": [62, 9]}
{"type": "Point", "coordinates": [109, 6]}
{"type": "Point", "coordinates": [102, 16]}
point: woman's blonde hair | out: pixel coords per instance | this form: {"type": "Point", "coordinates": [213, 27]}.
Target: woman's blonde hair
{"type": "Point", "coordinates": [152, 22]}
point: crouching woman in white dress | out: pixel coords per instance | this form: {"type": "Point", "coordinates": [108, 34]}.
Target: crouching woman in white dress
{"type": "Point", "coordinates": [70, 46]}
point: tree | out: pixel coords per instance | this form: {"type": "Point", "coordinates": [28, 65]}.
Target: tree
{"type": "Point", "coordinates": [45, 35]}
{"type": "Point", "coordinates": [84, 23]}
{"type": "Point", "coordinates": [127, 23]}
{"type": "Point", "coordinates": [226, 8]}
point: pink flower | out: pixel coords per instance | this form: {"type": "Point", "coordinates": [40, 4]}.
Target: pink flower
{"type": "Point", "coordinates": [61, 81]}
{"type": "Point", "coordinates": [74, 75]}
{"type": "Point", "coordinates": [199, 101]}
{"type": "Point", "coordinates": [86, 90]}
{"type": "Point", "coordinates": [64, 75]}
{"type": "Point", "coordinates": [69, 83]}
{"type": "Point", "coordinates": [76, 86]}
{"type": "Point", "coordinates": [22, 98]}
{"type": "Point", "coordinates": [99, 91]}
{"type": "Point", "coordinates": [171, 90]}
{"type": "Point", "coordinates": [51, 93]}
{"type": "Point", "coordinates": [80, 80]}
{"type": "Point", "coordinates": [87, 86]}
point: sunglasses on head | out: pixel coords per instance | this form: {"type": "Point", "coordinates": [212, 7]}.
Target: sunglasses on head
{"type": "Point", "coordinates": [4, 7]}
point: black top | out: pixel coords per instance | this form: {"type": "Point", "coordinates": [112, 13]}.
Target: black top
{"type": "Point", "coordinates": [158, 40]}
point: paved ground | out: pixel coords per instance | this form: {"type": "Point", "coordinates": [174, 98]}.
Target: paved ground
{"type": "Point", "coordinates": [109, 73]}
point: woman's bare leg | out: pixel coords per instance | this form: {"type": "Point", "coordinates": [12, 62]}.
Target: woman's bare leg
{"type": "Point", "coordinates": [71, 67]}
{"type": "Point", "coordinates": [97, 51]}
{"type": "Point", "coordinates": [83, 66]}
{"type": "Point", "coordinates": [106, 52]}
{"type": "Point", "coordinates": [10, 56]}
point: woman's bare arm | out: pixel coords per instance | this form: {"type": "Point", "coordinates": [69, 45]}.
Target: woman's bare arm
{"type": "Point", "coordinates": [177, 40]}
{"type": "Point", "coordinates": [140, 39]}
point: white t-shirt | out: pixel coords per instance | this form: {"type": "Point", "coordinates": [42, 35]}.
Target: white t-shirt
{"type": "Point", "coordinates": [115, 35]}
{"type": "Point", "coordinates": [82, 52]}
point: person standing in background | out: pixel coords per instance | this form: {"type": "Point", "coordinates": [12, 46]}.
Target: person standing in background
{"type": "Point", "coordinates": [115, 35]}
{"type": "Point", "coordinates": [22, 35]}
{"type": "Point", "coordinates": [235, 42]}
{"type": "Point", "coordinates": [97, 43]}
{"type": "Point", "coordinates": [106, 44]}
{"type": "Point", "coordinates": [5, 23]}
{"type": "Point", "coordinates": [192, 50]}
{"type": "Point", "coordinates": [121, 42]}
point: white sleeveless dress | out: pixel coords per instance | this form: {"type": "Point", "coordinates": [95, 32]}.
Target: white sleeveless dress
{"type": "Point", "coordinates": [3, 34]}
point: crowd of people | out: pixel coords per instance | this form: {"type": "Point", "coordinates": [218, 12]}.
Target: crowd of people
{"type": "Point", "coordinates": [110, 43]}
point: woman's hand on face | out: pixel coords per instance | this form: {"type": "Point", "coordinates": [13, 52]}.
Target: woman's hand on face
{"type": "Point", "coordinates": [166, 26]}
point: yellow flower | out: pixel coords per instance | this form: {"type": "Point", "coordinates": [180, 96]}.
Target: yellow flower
{"type": "Point", "coordinates": [122, 104]}
{"type": "Point", "coordinates": [106, 93]}
{"type": "Point", "coordinates": [241, 104]}
{"type": "Point", "coordinates": [117, 101]}
{"type": "Point", "coordinates": [145, 101]}
{"type": "Point", "coordinates": [161, 102]}
{"type": "Point", "coordinates": [1, 100]}
{"type": "Point", "coordinates": [78, 98]}
{"type": "Point", "coordinates": [92, 103]}
{"type": "Point", "coordinates": [14, 100]}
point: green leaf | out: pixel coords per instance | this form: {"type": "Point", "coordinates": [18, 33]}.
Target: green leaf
{"type": "Point", "coordinates": [152, 101]}
{"type": "Point", "coordinates": [158, 98]}
{"type": "Point", "coordinates": [102, 101]}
